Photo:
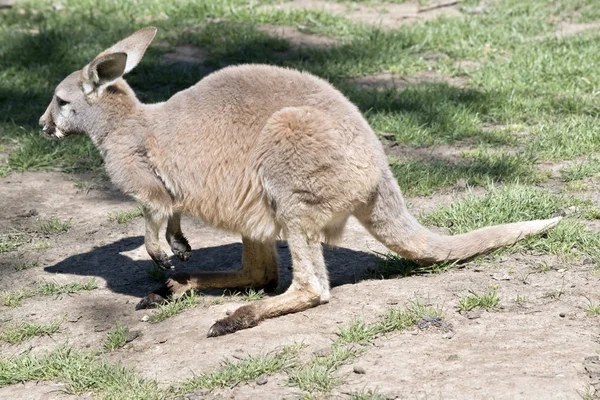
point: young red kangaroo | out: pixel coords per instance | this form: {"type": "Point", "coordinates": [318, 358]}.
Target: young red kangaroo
{"type": "Point", "coordinates": [255, 149]}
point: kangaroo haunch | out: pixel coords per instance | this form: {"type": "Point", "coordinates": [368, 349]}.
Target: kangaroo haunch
{"type": "Point", "coordinates": [264, 151]}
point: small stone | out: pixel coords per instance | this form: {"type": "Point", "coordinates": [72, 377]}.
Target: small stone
{"type": "Point", "coordinates": [132, 335]}
{"type": "Point", "coordinates": [474, 314]}
{"type": "Point", "coordinates": [501, 276]}
{"type": "Point", "coordinates": [192, 396]}
{"type": "Point", "coordinates": [74, 318]}
{"type": "Point", "coordinates": [100, 328]}
{"type": "Point", "coordinates": [262, 380]}
{"type": "Point", "coordinates": [448, 335]}
{"type": "Point", "coordinates": [452, 357]}
{"type": "Point", "coordinates": [145, 318]}
{"type": "Point", "coordinates": [562, 315]}
{"type": "Point", "coordinates": [359, 370]}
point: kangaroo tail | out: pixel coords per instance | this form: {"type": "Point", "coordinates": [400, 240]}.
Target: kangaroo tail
{"type": "Point", "coordinates": [389, 221]}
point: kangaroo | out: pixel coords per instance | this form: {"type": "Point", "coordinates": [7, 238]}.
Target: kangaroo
{"type": "Point", "coordinates": [263, 151]}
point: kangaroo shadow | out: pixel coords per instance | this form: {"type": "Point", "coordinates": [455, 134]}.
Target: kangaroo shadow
{"type": "Point", "coordinates": [131, 277]}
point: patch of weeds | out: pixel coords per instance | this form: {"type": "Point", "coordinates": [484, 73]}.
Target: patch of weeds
{"type": "Point", "coordinates": [22, 331]}
{"type": "Point", "coordinates": [27, 265]}
{"type": "Point", "coordinates": [12, 241]}
{"type": "Point", "coordinates": [359, 332]}
{"type": "Point", "coordinates": [391, 265]}
{"type": "Point", "coordinates": [82, 372]}
{"type": "Point", "coordinates": [486, 301]}
{"type": "Point", "coordinates": [171, 308]}
{"type": "Point", "coordinates": [367, 395]}
{"type": "Point", "coordinates": [521, 299]}
{"type": "Point", "coordinates": [593, 309]}
{"type": "Point", "coordinates": [589, 393]}
{"type": "Point", "coordinates": [116, 338]}
{"type": "Point", "coordinates": [157, 274]}
{"type": "Point", "coordinates": [395, 319]}
{"type": "Point", "coordinates": [84, 185]}
{"type": "Point", "coordinates": [575, 186]}
{"type": "Point", "coordinates": [589, 167]}
{"type": "Point", "coordinates": [542, 267]}
{"type": "Point", "coordinates": [403, 318]}
{"type": "Point", "coordinates": [253, 295]}
{"type": "Point", "coordinates": [40, 245]}
{"type": "Point", "coordinates": [244, 370]}
{"type": "Point", "coordinates": [14, 298]}
{"type": "Point", "coordinates": [55, 225]}
{"type": "Point", "coordinates": [554, 294]}
{"type": "Point", "coordinates": [53, 288]}
{"type": "Point", "coordinates": [318, 375]}
{"type": "Point", "coordinates": [123, 217]}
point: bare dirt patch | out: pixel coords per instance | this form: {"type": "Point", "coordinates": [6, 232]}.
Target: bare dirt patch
{"type": "Point", "coordinates": [296, 38]}
{"type": "Point", "coordinates": [525, 350]}
{"type": "Point", "coordinates": [387, 15]}
{"type": "Point", "coordinates": [566, 29]}
{"type": "Point", "coordinates": [185, 55]}
{"type": "Point", "coordinates": [386, 80]}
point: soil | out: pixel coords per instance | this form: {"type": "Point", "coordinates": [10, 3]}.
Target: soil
{"type": "Point", "coordinates": [518, 351]}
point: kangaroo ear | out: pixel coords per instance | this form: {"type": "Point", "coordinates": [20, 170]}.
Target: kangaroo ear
{"type": "Point", "coordinates": [105, 69]}
{"type": "Point", "coordinates": [134, 46]}
{"type": "Point", "coordinates": [116, 61]}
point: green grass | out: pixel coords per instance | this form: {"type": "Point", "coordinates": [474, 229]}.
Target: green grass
{"type": "Point", "coordinates": [15, 298]}
{"type": "Point", "coordinates": [116, 337]}
{"type": "Point", "coordinates": [590, 167]}
{"type": "Point", "coordinates": [391, 265]}
{"type": "Point", "coordinates": [171, 308]}
{"type": "Point", "coordinates": [246, 369]}
{"type": "Point", "coordinates": [13, 240]}
{"type": "Point", "coordinates": [53, 288]}
{"type": "Point", "coordinates": [22, 331]}
{"type": "Point", "coordinates": [253, 295]}
{"type": "Point", "coordinates": [123, 217]}
{"type": "Point", "coordinates": [82, 372]}
{"type": "Point", "coordinates": [55, 225]}
{"type": "Point", "coordinates": [486, 301]}
{"type": "Point", "coordinates": [592, 309]}
{"type": "Point", "coordinates": [27, 265]}
{"type": "Point", "coordinates": [395, 319]}
{"type": "Point", "coordinates": [512, 203]}
{"type": "Point", "coordinates": [318, 376]}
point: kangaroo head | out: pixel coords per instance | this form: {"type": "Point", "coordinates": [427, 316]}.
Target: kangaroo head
{"type": "Point", "coordinates": [89, 100]}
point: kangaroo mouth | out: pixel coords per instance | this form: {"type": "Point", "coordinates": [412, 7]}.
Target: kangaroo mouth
{"type": "Point", "coordinates": [51, 131]}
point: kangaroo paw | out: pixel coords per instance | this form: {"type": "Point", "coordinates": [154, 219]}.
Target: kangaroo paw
{"type": "Point", "coordinates": [181, 248]}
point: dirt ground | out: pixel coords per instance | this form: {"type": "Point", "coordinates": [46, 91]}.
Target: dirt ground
{"type": "Point", "coordinates": [533, 350]}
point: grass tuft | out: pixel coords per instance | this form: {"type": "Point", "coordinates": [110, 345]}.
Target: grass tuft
{"type": "Point", "coordinates": [55, 225]}
{"type": "Point", "coordinates": [485, 301]}
{"type": "Point", "coordinates": [123, 217]}
{"type": "Point", "coordinates": [22, 331]}
{"type": "Point", "coordinates": [243, 370]}
{"type": "Point", "coordinates": [116, 338]}
{"type": "Point", "coordinates": [172, 308]}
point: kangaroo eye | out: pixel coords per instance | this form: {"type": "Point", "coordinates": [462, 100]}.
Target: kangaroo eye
{"type": "Point", "coordinates": [61, 102]}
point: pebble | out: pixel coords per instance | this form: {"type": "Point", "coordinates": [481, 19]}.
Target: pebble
{"type": "Point", "coordinates": [261, 380]}
{"type": "Point", "coordinates": [562, 315]}
{"type": "Point", "coordinates": [145, 318]}
{"type": "Point", "coordinates": [359, 370]}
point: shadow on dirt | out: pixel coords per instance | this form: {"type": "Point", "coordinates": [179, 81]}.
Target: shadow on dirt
{"type": "Point", "coordinates": [130, 277]}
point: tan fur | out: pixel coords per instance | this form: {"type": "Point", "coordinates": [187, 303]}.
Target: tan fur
{"type": "Point", "coordinates": [263, 151]}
